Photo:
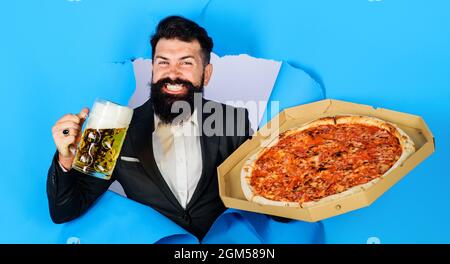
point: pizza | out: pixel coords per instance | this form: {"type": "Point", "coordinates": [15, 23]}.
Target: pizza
{"type": "Point", "coordinates": [324, 160]}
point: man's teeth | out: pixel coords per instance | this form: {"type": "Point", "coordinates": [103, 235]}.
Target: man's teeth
{"type": "Point", "coordinates": [174, 87]}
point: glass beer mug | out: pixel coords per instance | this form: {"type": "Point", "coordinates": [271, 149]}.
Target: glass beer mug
{"type": "Point", "coordinates": [102, 139]}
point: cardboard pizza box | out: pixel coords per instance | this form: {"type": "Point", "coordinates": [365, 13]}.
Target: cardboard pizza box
{"type": "Point", "coordinates": [230, 170]}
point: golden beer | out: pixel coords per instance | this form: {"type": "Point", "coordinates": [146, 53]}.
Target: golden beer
{"type": "Point", "coordinates": [102, 139]}
{"type": "Point", "coordinates": [98, 151]}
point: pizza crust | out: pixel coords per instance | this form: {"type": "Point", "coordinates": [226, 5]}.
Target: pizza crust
{"type": "Point", "coordinates": [406, 143]}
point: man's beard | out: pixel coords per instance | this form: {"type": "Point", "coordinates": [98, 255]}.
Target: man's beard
{"type": "Point", "coordinates": [162, 102]}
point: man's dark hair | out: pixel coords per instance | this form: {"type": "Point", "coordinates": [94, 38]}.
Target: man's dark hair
{"type": "Point", "coordinates": [176, 27]}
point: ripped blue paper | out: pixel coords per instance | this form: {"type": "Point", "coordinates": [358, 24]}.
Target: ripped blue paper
{"type": "Point", "coordinates": [114, 219]}
{"type": "Point", "coordinates": [56, 56]}
{"type": "Point", "coordinates": [241, 227]}
{"type": "Point", "coordinates": [293, 87]}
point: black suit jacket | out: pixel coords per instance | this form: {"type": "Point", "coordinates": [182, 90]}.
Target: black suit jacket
{"type": "Point", "coordinates": [71, 193]}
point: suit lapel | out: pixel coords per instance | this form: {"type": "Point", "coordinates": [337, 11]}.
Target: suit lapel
{"type": "Point", "coordinates": [141, 137]}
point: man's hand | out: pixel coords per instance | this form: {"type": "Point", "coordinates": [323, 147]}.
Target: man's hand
{"type": "Point", "coordinates": [66, 143]}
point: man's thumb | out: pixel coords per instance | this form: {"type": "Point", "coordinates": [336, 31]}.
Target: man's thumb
{"type": "Point", "coordinates": [83, 115]}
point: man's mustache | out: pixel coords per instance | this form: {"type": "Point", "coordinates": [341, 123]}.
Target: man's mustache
{"type": "Point", "coordinates": [178, 81]}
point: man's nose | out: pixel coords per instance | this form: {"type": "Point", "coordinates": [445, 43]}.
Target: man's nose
{"type": "Point", "coordinates": [174, 72]}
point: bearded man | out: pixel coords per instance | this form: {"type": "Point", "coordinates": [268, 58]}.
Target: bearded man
{"type": "Point", "coordinates": [174, 144]}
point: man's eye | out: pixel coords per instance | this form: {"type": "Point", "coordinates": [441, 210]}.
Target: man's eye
{"type": "Point", "coordinates": [186, 63]}
{"type": "Point", "coordinates": [162, 62]}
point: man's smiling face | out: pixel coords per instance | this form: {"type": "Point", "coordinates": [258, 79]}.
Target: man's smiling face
{"type": "Point", "coordinates": [178, 72]}
{"type": "Point", "coordinates": [176, 59]}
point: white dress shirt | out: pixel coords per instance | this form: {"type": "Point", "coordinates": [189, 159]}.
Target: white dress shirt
{"type": "Point", "coordinates": [181, 163]}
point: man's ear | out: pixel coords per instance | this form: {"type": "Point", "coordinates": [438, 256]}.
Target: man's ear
{"type": "Point", "coordinates": [207, 73]}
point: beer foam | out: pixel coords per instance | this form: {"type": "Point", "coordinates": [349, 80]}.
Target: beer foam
{"type": "Point", "coordinates": [105, 114]}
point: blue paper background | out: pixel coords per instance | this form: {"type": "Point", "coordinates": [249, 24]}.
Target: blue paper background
{"type": "Point", "coordinates": [58, 56]}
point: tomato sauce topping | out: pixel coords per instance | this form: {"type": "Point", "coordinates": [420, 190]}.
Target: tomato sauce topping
{"type": "Point", "coordinates": [322, 161]}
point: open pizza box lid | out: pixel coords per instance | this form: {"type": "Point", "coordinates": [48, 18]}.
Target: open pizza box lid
{"type": "Point", "coordinates": [229, 172]}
